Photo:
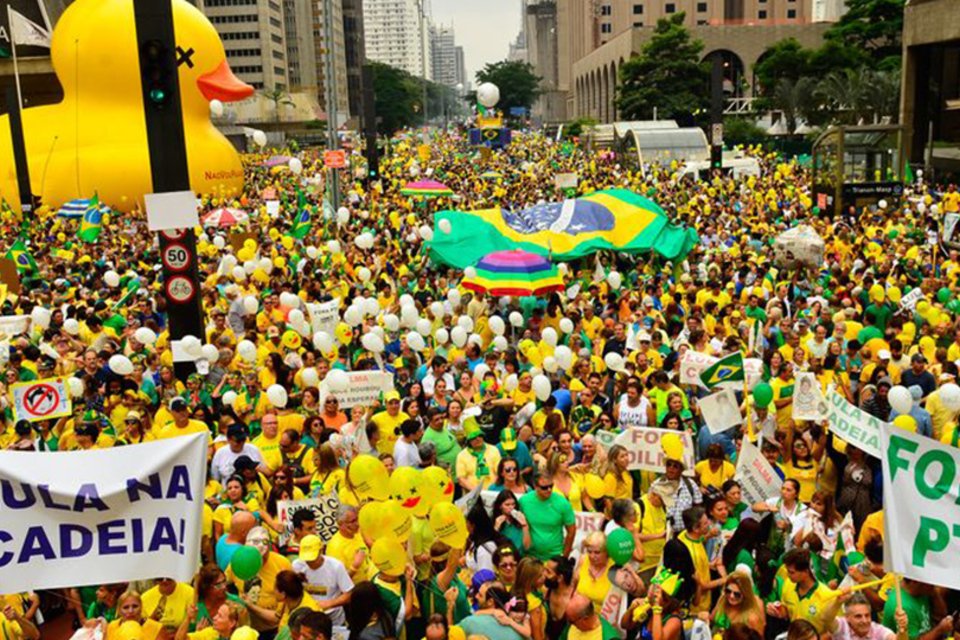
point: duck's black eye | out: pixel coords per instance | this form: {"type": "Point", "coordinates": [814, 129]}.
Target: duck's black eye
{"type": "Point", "coordinates": [184, 56]}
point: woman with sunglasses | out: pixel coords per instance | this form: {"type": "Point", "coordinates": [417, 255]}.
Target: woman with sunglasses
{"type": "Point", "coordinates": [509, 478]}
{"type": "Point", "coordinates": [331, 415]}
{"type": "Point", "coordinates": [505, 560]}
{"type": "Point", "coordinates": [737, 605]}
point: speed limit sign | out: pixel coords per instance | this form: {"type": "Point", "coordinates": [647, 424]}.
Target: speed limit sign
{"type": "Point", "coordinates": [174, 234]}
{"type": "Point", "coordinates": [180, 289]}
{"type": "Point", "coordinates": [176, 257]}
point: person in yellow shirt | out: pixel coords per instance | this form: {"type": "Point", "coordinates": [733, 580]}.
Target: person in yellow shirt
{"type": "Point", "coordinates": [260, 592]}
{"type": "Point", "coordinates": [268, 442]}
{"type": "Point", "coordinates": [478, 461]}
{"type": "Point", "coordinates": [387, 422]}
{"type": "Point", "coordinates": [220, 334]}
{"type": "Point", "coordinates": [167, 603]}
{"type": "Point", "coordinates": [182, 423]}
{"type": "Point", "coordinates": [715, 469]}
{"type": "Point", "coordinates": [224, 625]}
{"type": "Point", "coordinates": [271, 314]}
{"type": "Point", "coordinates": [592, 325]}
{"type": "Point", "coordinates": [348, 546]}
{"type": "Point", "coordinates": [802, 597]}
{"type": "Point", "coordinates": [14, 624]}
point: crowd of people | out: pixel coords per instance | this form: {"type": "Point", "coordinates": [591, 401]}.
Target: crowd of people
{"type": "Point", "coordinates": [524, 467]}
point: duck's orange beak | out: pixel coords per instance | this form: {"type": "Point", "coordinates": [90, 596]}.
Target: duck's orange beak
{"type": "Point", "coordinates": [220, 84]}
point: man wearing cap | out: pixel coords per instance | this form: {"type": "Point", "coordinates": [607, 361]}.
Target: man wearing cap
{"type": "Point", "coordinates": [511, 447]}
{"type": "Point", "coordinates": [477, 462]}
{"type": "Point", "coordinates": [388, 420]}
{"type": "Point", "coordinates": [684, 490]}
{"type": "Point", "coordinates": [182, 423]}
{"type": "Point", "coordinates": [222, 467]}
{"type": "Point", "coordinates": [918, 375]}
{"type": "Point", "coordinates": [327, 580]}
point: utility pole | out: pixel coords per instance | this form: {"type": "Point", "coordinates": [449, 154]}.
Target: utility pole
{"type": "Point", "coordinates": [331, 98]}
{"type": "Point", "coordinates": [159, 62]}
{"type": "Point", "coordinates": [716, 112]}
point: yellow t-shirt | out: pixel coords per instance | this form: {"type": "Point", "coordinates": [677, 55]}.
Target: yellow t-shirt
{"type": "Point", "coordinates": [274, 564]}
{"type": "Point", "coordinates": [809, 607]}
{"type": "Point", "coordinates": [806, 475]}
{"type": "Point", "coordinates": [175, 608]}
{"type": "Point", "coordinates": [270, 449]}
{"type": "Point", "coordinates": [386, 425]}
{"type": "Point", "coordinates": [711, 478]}
{"type": "Point", "coordinates": [652, 520]}
{"type": "Point", "coordinates": [345, 550]}
{"type": "Point", "coordinates": [594, 588]}
{"type": "Point", "coordinates": [592, 327]}
{"type": "Point", "coordinates": [307, 602]}
{"type": "Point", "coordinates": [150, 630]}
{"type": "Point", "coordinates": [193, 426]}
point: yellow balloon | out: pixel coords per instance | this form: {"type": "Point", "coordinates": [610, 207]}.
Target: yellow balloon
{"type": "Point", "coordinates": [894, 294]}
{"type": "Point", "coordinates": [279, 263]}
{"type": "Point", "coordinates": [449, 525]}
{"type": "Point", "coordinates": [436, 487]}
{"type": "Point", "coordinates": [260, 276]}
{"type": "Point", "coordinates": [396, 520]}
{"type": "Point", "coordinates": [595, 486]}
{"type": "Point", "coordinates": [923, 307]}
{"type": "Point", "coordinates": [344, 333]}
{"type": "Point", "coordinates": [250, 243]}
{"type": "Point", "coordinates": [406, 487]}
{"type": "Point", "coordinates": [389, 556]}
{"type": "Point", "coordinates": [369, 478]}
{"type": "Point", "coordinates": [273, 233]}
{"type": "Point", "coordinates": [245, 254]}
{"type": "Point", "coordinates": [906, 422]}
{"type": "Point", "coordinates": [876, 293]}
{"type": "Point", "coordinates": [287, 242]}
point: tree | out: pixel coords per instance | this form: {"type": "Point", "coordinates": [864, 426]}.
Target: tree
{"type": "Point", "coordinates": [519, 85]}
{"type": "Point", "coordinates": [860, 96]}
{"type": "Point", "coordinates": [395, 95]}
{"type": "Point", "coordinates": [278, 97]}
{"type": "Point", "coordinates": [873, 26]}
{"type": "Point", "coordinates": [743, 131]}
{"type": "Point", "coordinates": [667, 75]}
{"type": "Point", "coordinates": [574, 128]}
{"type": "Point", "coordinates": [786, 59]}
{"type": "Point", "coordinates": [795, 99]}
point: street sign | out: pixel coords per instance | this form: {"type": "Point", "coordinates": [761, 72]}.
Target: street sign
{"type": "Point", "coordinates": [176, 257]}
{"type": "Point", "coordinates": [336, 159]}
{"type": "Point", "coordinates": [181, 289]}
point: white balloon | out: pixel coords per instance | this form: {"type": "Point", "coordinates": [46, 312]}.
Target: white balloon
{"type": "Point", "coordinates": [934, 209]}
{"type": "Point", "coordinates": [250, 266]}
{"type": "Point", "coordinates": [391, 322]}
{"type": "Point", "coordinates": [266, 264]}
{"type": "Point", "coordinates": [288, 299]}
{"type": "Point", "coordinates": [497, 325]}
{"type": "Point", "coordinates": [566, 325]}
{"type": "Point", "coordinates": [882, 204]}
{"type": "Point", "coordinates": [120, 365]}
{"type": "Point", "coordinates": [466, 322]}
{"type": "Point", "coordinates": [614, 279]}
{"type": "Point", "coordinates": [334, 247]}
{"type": "Point", "coordinates": [549, 336]}
{"type": "Point", "coordinates": [303, 329]}
{"type": "Point", "coordinates": [564, 356]}
{"type": "Point", "coordinates": [488, 94]}
{"type": "Point", "coordinates": [111, 279]}
{"type": "Point", "coordinates": [562, 268]}
{"type": "Point", "coordinates": [613, 361]}
{"type": "Point", "coordinates": [216, 108]}
{"type": "Point", "coordinates": [480, 370]}
{"type": "Point", "coordinates": [75, 387]}
{"type": "Point", "coordinates": [445, 226]}
{"type": "Point", "coordinates": [900, 399]}
{"type": "Point", "coordinates": [323, 342]}
{"type": "Point", "coordinates": [453, 297]}
{"type": "Point", "coordinates": [41, 317]}
{"type": "Point", "coordinates": [500, 344]}
{"type": "Point", "coordinates": [950, 396]}
{"type": "Point", "coordinates": [229, 398]}
{"type": "Point", "coordinates": [372, 342]}
{"type": "Point", "coordinates": [191, 345]}
{"type": "Point", "coordinates": [247, 351]}
{"type": "Point", "coordinates": [541, 387]}
{"type": "Point", "coordinates": [228, 262]}
{"type": "Point", "coordinates": [277, 396]}
{"type": "Point", "coordinates": [71, 326]}
{"type": "Point", "coordinates": [364, 240]}
{"type": "Point", "coordinates": [511, 382]}
{"type": "Point", "coordinates": [409, 315]}
{"type": "Point", "coordinates": [364, 274]}
{"type": "Point", "coordinates": [424, 327]}
{"type": "Point", "coordinates": [459, 336]}
{"type": "Point", "coordinates": [425, 232]}
{"type": "Point", "coordinates": [436, 308]}
{"type": "Point", "coordinates": [921, 208]}
{"type": "Point", "coordinates": [337, 380]}
{"type": "Point", "coordinates": [145, 335]}
{"type": "Point", "coordinates": [312, 252]}
{"type": "Point", "coordinates": [442, 336]}
{"type": "Point", "coordinates": [210, 353]}
{"type": "Point", "coordinates": [352, 316]}
{"type": "Point", "coordinates": [259, 138]}
{"type": "Point", "coordinates": [296, 317]}
{"type": "Point", "coordinates": [407, 300]}
{"type": "Point", "coordinates": [371, 307]}
{"type": "Point", "coordinates": [219, 242]}
{"type": "Point", "coordinates": [251, 305]}
{"type": "Point", "coordinates": [470, 272]}
{"type": "Point", "coordinates": [310, 377]}
{"type": "Point", "coordinates": [550, 364]}
{"type": "Point", "coordinates": [516, 319]}
{"type": "Point", "coordinates": [415, 341]}
{"type": "Point", "coordinates": [343, 216]}
{"type": "Point", "coordinates": [238, 274]}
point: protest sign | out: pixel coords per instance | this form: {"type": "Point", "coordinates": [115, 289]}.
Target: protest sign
{"type": "Point", "coordinates": [693, 363]}
{"type": "Point", "coordinates": [799, 246]}
{"type": "Point", "coordinates": [565, 180]}
{"type": "Point", "coordinates": [40, 399]}
{"type": "Point", "coordinates": [921, 494]}
{"type": "Point", "coordinates": [757, 478]}
{"type": "Point", "coordinates": [324, 316]}
{"type": "Point", "coordinates": [324, 508]}
{"type": "Point", "coordinates": [14, 325]}
{"type": "Point", "coordinates": [852, 425]}
{"type": "Point", "coordinates": [910, 300]}
{"type": "Point", "coordinates": [721, 411]}
{"type": "Point", "coordinates": [643, 445]}
{"type": "Point", "coordinates": [808, 402]}
{"type": "Point", "coordinates": [363, 389]}
{"type": "Point", "coordinates": [102, 516]}
{"type": "Point", "coordinates": [9, 275]}
{"type": "Point", "coordinates": [587, 523]}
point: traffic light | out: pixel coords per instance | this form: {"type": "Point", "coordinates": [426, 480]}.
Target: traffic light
{"type": "Point", "coordinates": [158, 67]}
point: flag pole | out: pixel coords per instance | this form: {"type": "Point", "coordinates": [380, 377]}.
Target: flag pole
{"type": "Point", "coordinates": [13, 49]}
{"type": "Point", "coordinates": [746, 403]}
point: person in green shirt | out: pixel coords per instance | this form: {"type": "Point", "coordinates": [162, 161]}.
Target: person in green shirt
{"type": "Point", "coordinates": [447, 446]}
{"type": "Point", "coordinates": [917, 600]}
{"type": "Point", "coordinates": [552, 522]}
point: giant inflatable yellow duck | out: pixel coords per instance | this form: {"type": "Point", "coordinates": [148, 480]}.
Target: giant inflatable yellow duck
{"type": "Point", "coordinates": [95, 140]}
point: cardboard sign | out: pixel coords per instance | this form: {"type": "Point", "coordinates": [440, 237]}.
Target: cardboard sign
{"type": "Point", "coordinates": [324, 316]}
{"type": "Point", "coordinates": [324, 507]}
{"type": "Point", "coordinates": [171, 210]}
{"type": "Point", "coordinates": [10, 276]}
{"type": "Point", "coordinates": [365, 387]}
{"type": "Point", "coordinates": [757, 478]}
{"type": "Point", "coordinates": [41, 399]}
{"type": "Point", "coordinates": [643, 445]}
{"type": "Point", "coordinates": [237, 238]}
{"type": "Point", "coordinates": [565, 180]}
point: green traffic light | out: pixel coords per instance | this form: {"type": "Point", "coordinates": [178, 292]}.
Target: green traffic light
{"type": "Point", "coordinates": [157, 95]}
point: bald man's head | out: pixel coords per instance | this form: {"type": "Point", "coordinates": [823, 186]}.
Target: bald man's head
{"type": "Point", "coordinates": [240, 524]}
{"type": "Point", "coordinates": [580, 612]}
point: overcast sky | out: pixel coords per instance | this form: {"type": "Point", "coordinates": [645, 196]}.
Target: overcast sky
{"type": "Point", "coordinates": [484, 28]}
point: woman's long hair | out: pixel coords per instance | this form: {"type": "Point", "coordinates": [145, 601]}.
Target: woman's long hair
{"type": "Point", "coordinates": [366, 603]}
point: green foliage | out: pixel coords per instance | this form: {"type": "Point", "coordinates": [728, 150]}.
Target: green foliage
{"type": "Point", "coordinates": [279, 98]}
{"type": "Point", "coordinates": [396, 92]}
{"type": "Point", "coordinates": [860, 95]}
{"type": "Point", "coordinates": [795, 99]}
{"type": "Point", "coordinates": [667, 74]}
{"type": "Point", "coordinates": [518, 83]}
{"type": "Point", "coordinates": [785, 59]}
{"type": "Point", "coordinates": [574, 128]}
{"type": "Point", "coordinates": [872, 26]}
{"type": "Point", "coordinates": [742, 131]}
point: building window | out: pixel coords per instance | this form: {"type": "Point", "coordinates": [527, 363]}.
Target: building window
{"type": "Point", "coordinates": [606, 27]}
{"type": "Point", "coordinates": [702, 7]}
{"type": "Point", "coordinates": [791, 14]}
{"type": "Point", "coordinates": [638, 9]}
{"type": "Point", "coordinates": [606, 10]}
{"type": "Point", "coordinates": [670, 8]}
{"type": "Point", "coordinates": [638, 24]}
{"type": "Point", "coordinates": [762, 14]}
{"type": "Point", "coordinates": [703, 23]}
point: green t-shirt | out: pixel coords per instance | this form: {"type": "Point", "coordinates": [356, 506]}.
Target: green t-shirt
{"type": "Point", "coordinates": [447, 446]}
{"type": "Point", "coordinates": [547, 520]}
{"type": "Point", "coordinates": [917, 609]}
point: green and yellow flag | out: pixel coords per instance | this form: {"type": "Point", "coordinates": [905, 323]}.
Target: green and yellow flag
{"type": "Point", "coordinates": [21, 257]}
{"type": "Point", "coordinates": [726, 369]}
{"type": "Point", "coordinates": [302, 223]}
{"type": "Point", "coordinates": [92, 221]}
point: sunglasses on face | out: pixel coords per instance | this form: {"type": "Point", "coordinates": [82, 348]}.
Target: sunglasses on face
{"type": "Point", "coordinates": [731, 593]}
{"type": "Point", "coordinates": [545, 487]}
{"type": "Point", "coordinates": [509, 469]}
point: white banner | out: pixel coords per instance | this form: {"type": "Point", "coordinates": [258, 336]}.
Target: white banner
{"type": "Point", "coordinates": [324, 508]}
{"type": "Point", "coordinates": [565, 180]}
{"type": "Point", "coordinates": [808, 402]}
{"type": "Point", "coordinates": [102, 516]}
{"type": "Point", "coordinates": [324, 316]}
{"type": "Point", "coordinates": [643, 445]}
{"type": "Point", "coordinates": [720, 411]}
{"type": "Point", "coordinates": [14, 325]}
{"type": "Point", "coordinates": [921, 513]}
{"type": "Point", "coordinates": [852, 425]}
{"type": "Point", "coordinates": [757, 478]}
{"type": "Point", "coordinates": [910, 300]}
{"type": "Point", "coordinates": [364, 388]}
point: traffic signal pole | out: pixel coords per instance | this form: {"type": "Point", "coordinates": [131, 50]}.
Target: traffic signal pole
{"type": "Point", "coordinates": [159, 62]}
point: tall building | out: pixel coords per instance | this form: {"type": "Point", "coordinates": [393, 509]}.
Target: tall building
{"type": "Point", "coordinates": [446, 56]}
{"type": "Point", "coordinates": [301, 59]}
{"type": "Point", "coordinates": [518, 48]}
{"type": "Point", "coordinates": [354, 54]}
{"type": "Point", "coordinates": [461, 67]}
{"type": "Point", "coordinates": [254, 37]}
{"type": "Point", "coordinates": [396, 33]}
{"type": "Point", "coordinates": [319, 53]}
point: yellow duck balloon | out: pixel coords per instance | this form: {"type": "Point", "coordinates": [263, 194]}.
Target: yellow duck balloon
{"type": "Point", "coordinates": [95, 140]}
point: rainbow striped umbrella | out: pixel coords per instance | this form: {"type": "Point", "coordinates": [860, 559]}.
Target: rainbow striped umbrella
{"type": "Point", "coordinates": [426, 189]}
{"type": "Point", "coordinates": [513, 273]}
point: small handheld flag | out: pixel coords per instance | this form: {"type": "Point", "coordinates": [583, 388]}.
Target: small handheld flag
{"type": "Point", "coordinates": [21, 257]}
{"type": "Point", "coordinates": [726, 369]}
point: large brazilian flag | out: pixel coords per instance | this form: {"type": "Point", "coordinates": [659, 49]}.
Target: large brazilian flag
{"type": "Point", "coordinates": [614, 219]}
